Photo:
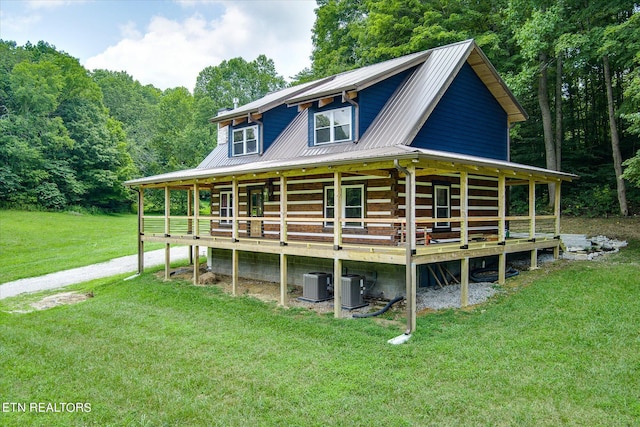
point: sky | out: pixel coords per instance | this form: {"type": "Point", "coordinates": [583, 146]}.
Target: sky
{"type": "Point", "coordinates": [166, 43]}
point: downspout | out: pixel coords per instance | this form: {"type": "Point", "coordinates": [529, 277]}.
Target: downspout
{"type": "Point", "coordinates": [261, 136]}
{"type": "Point", "coordinates": [345, 98]}
{"type": "Point", "coordinates": [409, 250]}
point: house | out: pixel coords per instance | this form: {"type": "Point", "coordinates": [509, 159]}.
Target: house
{"type": "Point", "coordinates": [389, 171]}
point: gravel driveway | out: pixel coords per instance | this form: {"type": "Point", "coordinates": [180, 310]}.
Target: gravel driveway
{"type": "Point", "coordinates": [125, 264]}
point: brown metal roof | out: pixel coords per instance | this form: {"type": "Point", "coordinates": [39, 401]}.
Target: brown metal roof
{"type": "Point", "coordinates": [390, 133]}
{"type": "Point", "coordinates": [336, 159]}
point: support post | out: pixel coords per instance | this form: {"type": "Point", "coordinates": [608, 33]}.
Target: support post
{"type": "Point", "coordinates": [502, 226]}
{"type": "Point", "coordinates": [337, 287]}
{"type": "Point", "coordinates": [337, 243]}
{"type": "Point", "coordinates": [190, 222]}
{"type": "Point", "coordinates": [410, 268]}
{"type": "Point", "coordinates": [167, 231]}
{"type": "Point", "coordinates": [196, 234]}
{"type": "Point", "coordinates": [502, 208]}
{"type": "Point", "coordinates": [283, 210]}
{"type": "Point", "coordinates": [234, 207]}
{"type": "Point", "coordinates": [464, 210]}
{"type": "Point", "coordinates": [196, 264]}
{"type": "Point", "coordinates": [532, 222]}
{"type": "Point", "coordinates": [502, 268]}
{"type": "Point", "coordinates": [283, 279]}
{"type": "Point", "coordinates": [337, 210]}
{"type": "Point", "coordinates": [464, 282]}
{"type": "Point", "coordinates": [140, 231]}
{"type": "Point", "coordinates": [556, 213]}
{"type": "Point", "coordinates": [234, 272]}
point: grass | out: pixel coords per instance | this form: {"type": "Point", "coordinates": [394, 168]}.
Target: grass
{"type": "Point", "coordinates": [562, 347]}
{"type": "Point", "coordinates": [37, 243]}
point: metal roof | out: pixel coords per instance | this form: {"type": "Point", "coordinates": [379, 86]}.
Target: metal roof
{"type": "Point", "coordinates": [336, 159]}
{"type": "Point", "coordinates": [391, 132]}
{"type": "Point", "coordinates": [409, 107]}
{"type": "Point", "coordinates": [267, 102]}
{"type": "Point", "coordinates": [360, 78]}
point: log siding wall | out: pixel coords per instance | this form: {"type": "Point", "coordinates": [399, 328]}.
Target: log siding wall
{"type": "Point", "coordinates": [385, 202]}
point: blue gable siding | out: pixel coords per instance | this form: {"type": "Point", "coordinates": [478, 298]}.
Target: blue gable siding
{"type": "Point", "coordinates": [373, 98]}
{"type": "Point", "coordinates": [275, 121]}
{"type": "Point", "coordinates": [467, 120]}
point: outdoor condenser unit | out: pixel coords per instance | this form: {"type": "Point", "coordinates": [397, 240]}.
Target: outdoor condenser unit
{"type": "Point", "coordinates": [352, 291]}
{"type": "Point", "coordinates": [315, 286]}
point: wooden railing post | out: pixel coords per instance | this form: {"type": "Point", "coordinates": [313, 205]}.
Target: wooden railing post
{"type": "Point", "coordinates": [283, 210]}
{"type": "Point", "coordinates": [167, 232]}
{"type": "Point", "coordinates": [532, 221]}
{"type": "Point", "coordinates": [140, 230]}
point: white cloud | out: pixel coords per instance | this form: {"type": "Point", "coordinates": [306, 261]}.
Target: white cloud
{"type": "Point", "coordinates": [18, 23]}
{"type": "Point", "coordinates": [50, 4]}
{"type": "Point", "coordinates": [170, 53]}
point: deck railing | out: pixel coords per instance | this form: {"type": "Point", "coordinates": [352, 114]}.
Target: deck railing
{"type": "Point", "coordinates": [375, 231]}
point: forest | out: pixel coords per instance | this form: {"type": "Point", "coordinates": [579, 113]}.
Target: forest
{"type": "Point", "coordinates": [69, 137]}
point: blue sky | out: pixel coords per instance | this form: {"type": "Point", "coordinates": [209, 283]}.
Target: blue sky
{"type": "Point", "coordinates": [165, 43]}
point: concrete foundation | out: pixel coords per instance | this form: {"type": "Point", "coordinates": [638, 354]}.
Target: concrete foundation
{"type": "Point", "coordinates": [382, 280]}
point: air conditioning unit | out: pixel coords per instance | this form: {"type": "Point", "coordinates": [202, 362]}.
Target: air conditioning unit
{"type": "Point", "coordinates": [353, 291]}
{"type": "Point", "coordinates": [315, 286]}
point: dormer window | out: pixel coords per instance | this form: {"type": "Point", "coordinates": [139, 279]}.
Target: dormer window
{"type": "Point", "coordinates": [332, 126]}
{"type": "Point", "coordinates": [245, 141]}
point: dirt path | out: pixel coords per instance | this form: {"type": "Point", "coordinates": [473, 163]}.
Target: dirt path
{"type": "Point", "coordinates": [115, 266]}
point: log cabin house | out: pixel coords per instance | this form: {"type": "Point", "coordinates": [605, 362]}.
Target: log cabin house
{"type": "Point", "coordinates": [387, 171]}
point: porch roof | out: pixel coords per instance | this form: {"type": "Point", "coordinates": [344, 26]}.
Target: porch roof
{"type": "Point", "coordinates": [423, 158]}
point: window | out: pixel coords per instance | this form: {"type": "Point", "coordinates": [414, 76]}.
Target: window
{"type": "Point", "coordinates": [442, 204]}
{"type": "Point", "coordinates": [352, 204]}
{"type": "Point", "coordinates": [226, 206]}
{"type": "Point", "coordinates": [332, 126]}
{"type": "Point", "coordinates": [245, 141]}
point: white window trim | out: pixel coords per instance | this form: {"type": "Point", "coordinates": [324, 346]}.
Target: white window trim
{"type": "Point", "coordinates": [435, 206]}
{"type": "Point", "coordinates": [228, 208]}
{"type": "Point", "coordinates": [332, 139]}
{"type": "Point", "coordinates": [350, 224]}
{"type": "Point", "coordinates": [244, 141]}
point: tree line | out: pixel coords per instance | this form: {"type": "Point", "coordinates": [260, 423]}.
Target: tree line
{"type": "Point", "coordinates": [70, 137]}
{"type": "Point", "coordinates": [573, 65]}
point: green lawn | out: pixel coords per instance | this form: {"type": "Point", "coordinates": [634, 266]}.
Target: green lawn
{"type": "Point", "coordinates": [36, 243]}
{"type": "Point", "coordinates": [561, 347]}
